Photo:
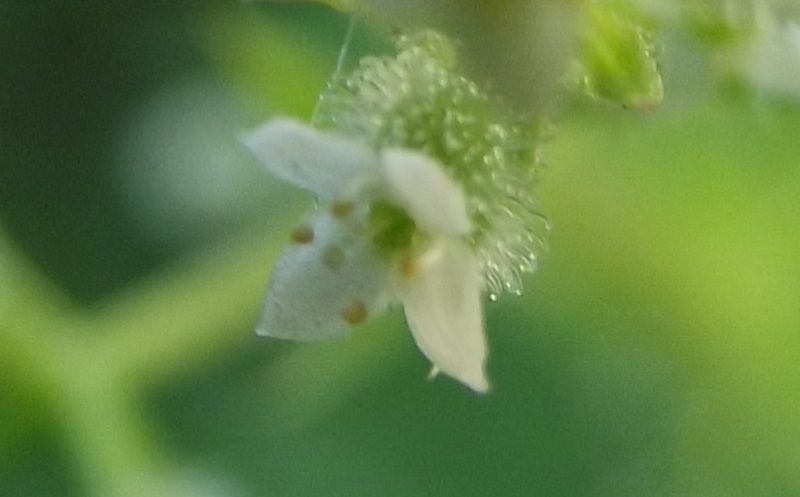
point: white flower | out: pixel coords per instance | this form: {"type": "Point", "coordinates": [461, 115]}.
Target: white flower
{"type": "Point", "coordinates": [392, 226]}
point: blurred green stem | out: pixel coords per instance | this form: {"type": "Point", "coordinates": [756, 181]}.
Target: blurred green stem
{"type": "Point", "coordinates": [115, 454]}
{"type": "Point", "coordinates": [50, 350]}
{"type": "Point", "coordinates": [187, 314]}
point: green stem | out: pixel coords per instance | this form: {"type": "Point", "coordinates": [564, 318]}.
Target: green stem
{"type": "Point", "coordinates": [147, 333]}
{"type": "Point", "coordinates": [101, 427]}
{"type": "Point", "coordinates": [29, 357]}
{"type": "Point", "coordinates": [188, 314]}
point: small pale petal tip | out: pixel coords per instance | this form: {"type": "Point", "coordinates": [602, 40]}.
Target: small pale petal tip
{"type": "Point", "coordinates": [273, 131]}
{"type": "Point", "coordinates": [262, 332]}
{"type": "Point", "coordinates": [478, 385]}
{"type": "Point", "coordinates": [474, 377]}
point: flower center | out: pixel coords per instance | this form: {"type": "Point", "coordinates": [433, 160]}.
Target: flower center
{"type": "Point", "coordinates": [390, 228]}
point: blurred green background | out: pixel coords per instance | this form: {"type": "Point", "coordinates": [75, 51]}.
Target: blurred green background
{"type": "Point", "coordinates": [655, 353]}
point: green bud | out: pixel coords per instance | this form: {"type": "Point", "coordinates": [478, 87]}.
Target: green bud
{"type": "Point", "coordinates": [618, 59]}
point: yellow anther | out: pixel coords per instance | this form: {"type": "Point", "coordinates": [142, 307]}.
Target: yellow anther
{"type": "Point", "coordinates": [341, 208]}
{"type": "Point", "coordinates": [302, 234]}
{"type": "Point", "coordinates": [333, 257]}
{"type": "Point", "coordinates": [355, 313]}
{"type": "Point", "coordinates": [408, 266]}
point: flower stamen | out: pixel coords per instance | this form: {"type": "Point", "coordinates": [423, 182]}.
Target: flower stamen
{"type": "Point", "coordinates": [333, 257]}
{"type": "Point", "coordinates": [302, 235]}
{"type": "Point", "coordinates": [408, 267]}
{"type": "Point", "coordinates": [355, 313]}
{"type": "Point", "coordinates": [341, 208]}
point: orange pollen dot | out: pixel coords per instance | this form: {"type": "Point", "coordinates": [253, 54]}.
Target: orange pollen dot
{"type": "Point", "coordinates": [355, 313]}
{"type": "Point", "coordinates": [408, 266]}
{"type": "Point", "coordinates": [341, 208]}
{"type": "Point", "coordinates": [302, 234]}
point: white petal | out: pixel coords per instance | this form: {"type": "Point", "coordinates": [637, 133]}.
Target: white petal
{"type": "Point", "coordinates": [329, 280]}
{"type": "Point", "coordinates": [419, 185]}
{"type": "Point", "coordinates": [326, 164]}
{"type": "Point", "coordinates": [443, 308]}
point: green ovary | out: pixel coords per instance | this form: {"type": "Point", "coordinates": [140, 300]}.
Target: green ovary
{"type": "Point", "coordinates": [390, 228]}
